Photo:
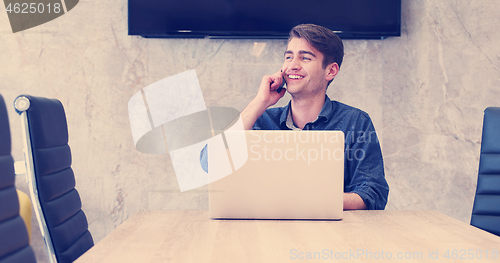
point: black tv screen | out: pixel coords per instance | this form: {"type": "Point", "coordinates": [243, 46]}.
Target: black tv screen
{"type": "Point", "coordinates": [350, 19]}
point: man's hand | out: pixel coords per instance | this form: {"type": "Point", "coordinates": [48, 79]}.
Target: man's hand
{"type": "Point", "coordinates": [266, 97]}
{"type": "Point", "coordinates": [353, 201]}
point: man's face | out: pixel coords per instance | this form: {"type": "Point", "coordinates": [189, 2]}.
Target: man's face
{"type": "Point", "coordinates": [303, 69]}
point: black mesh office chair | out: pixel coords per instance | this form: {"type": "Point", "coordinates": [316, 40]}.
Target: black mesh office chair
{"type": "Point", "coordinates": [58, 206]}
{"type": "Point", "coordinates": [14, 239]}
{"type": "Point", "coordinates": [486, 209]}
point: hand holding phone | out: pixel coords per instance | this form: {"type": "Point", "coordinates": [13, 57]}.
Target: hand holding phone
{"type": "Point", "coordinates": [265, 98]}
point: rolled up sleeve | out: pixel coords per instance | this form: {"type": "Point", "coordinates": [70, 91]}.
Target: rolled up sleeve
{"type": "Point", "coordinates": [364, 166]}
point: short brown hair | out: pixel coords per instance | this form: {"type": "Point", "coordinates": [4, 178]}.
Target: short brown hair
{"type": "Point", "coordinates": [322, 39]}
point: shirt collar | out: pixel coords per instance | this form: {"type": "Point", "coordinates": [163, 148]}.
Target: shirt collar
{"type": "Point", "coordinates": [286, 116]}
{"type": "Point", "coordinates": [327, 110]}
{"type": "Point", "coordinates": [289, 121]}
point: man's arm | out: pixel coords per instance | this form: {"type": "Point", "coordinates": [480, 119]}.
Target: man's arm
{"type": "Point", "coordinates": [364, 166]}
{"type": "Point", "coordinates": [353, 201]}
{"type": "Point", "coordinates": [266, 97]}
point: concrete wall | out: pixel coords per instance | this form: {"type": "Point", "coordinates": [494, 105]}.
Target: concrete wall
{"type": "Point", "coordinates": [425, 91]}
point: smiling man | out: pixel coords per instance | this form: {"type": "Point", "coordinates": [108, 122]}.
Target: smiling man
{"type": "Point", "coordinates": [312, 60]}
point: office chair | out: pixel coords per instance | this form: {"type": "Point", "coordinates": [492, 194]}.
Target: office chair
{"type": "Point", "coordinates": [486, 208]}
{"type": "Point", "coordinates": [57, 204]}
{"type": "Point", "coordinates": [14, 240]}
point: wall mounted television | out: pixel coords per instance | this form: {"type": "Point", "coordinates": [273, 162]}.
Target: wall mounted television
{"type": "Point", "coordinates": [260, 19]}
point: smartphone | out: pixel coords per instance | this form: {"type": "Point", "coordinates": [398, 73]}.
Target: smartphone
{"type": "Point", "coordinates": [283, 83]}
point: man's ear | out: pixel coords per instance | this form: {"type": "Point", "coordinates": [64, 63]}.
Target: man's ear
{"type": "Point", "coordinates": [331, 71]}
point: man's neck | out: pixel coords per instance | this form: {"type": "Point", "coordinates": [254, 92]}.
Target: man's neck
{"type": "Point", "coordinates": [306, 110]}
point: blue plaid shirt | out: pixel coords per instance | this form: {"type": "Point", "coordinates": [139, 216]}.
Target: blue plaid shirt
{"type": "Point", "coordinates": [363, 163]}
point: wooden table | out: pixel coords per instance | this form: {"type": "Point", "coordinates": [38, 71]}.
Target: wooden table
{"type": "Point", "coordinates": [362, 236]}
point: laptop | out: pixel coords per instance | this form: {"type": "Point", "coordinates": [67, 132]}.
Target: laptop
{"type": "Point", "coordinates": [276, 175]}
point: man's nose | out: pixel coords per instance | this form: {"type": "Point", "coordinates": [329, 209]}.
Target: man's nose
{"type": "Point", "coordinates": [295, 64]}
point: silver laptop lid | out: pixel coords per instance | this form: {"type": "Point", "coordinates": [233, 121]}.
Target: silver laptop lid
{"type": "Point", "coordinates": [276, 175]}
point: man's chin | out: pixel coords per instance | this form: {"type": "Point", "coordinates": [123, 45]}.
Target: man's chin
{"type": "Point", "coordinates": [293, 89]}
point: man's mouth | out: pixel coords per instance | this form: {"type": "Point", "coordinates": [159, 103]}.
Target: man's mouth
{"type": "Point", "coordinates": [295, 77]}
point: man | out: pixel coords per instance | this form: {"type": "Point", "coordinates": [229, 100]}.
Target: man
{"type": "Point", "coordinates": [312, 60]}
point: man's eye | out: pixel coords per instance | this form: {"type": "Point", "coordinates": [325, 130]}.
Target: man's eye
{"type": "Point", "coordinates": [306, 58]}
{"type": "Point", "coordinates": [288, 58]}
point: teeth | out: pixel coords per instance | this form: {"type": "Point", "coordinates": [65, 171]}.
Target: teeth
{"type": "Point", "coordinates": [295, 76]}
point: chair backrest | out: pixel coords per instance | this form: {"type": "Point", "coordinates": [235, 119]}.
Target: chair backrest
{"type": "Point", "coordinates": [486, 209]}
{"type": "Point", "coordinates": [62, 221]}
{"type": "Point", "coordinates": [14, 239]}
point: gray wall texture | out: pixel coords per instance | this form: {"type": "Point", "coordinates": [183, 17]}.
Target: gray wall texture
{"type": "Point", "coordinates": [425, 91]}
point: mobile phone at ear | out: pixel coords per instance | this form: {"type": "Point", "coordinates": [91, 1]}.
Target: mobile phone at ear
{"type": "Point", "coordinates": [283, 83]}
